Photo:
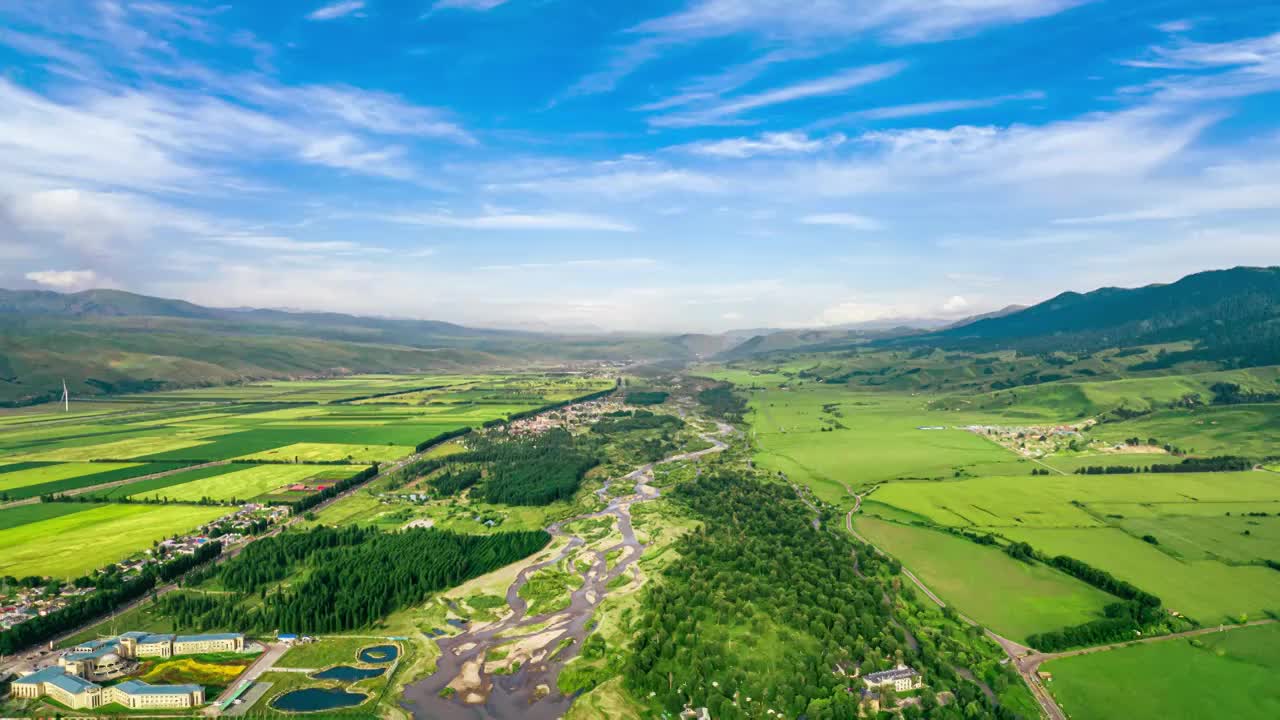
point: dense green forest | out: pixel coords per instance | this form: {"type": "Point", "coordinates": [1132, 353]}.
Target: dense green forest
{"type": "Point", "coordinates": [764, 612]}
{"type": "Point", "coordinates": [348, 578]}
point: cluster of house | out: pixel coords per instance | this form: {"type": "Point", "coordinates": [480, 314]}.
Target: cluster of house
{"type": "Point", "coordinates": [77, 681]}
{"type": "Point", "coordinates": [1031, 441]}
{"type": "Point", "coordinates": [27, 603]}
{"type": "Point", "coordinates": [565, 417]}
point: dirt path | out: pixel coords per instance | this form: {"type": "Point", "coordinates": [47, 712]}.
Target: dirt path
{"type": "Point", "coordinates": [531, 692]}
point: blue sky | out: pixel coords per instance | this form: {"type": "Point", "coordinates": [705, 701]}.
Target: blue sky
{"type": "Point", "coordinates": [643, 165]}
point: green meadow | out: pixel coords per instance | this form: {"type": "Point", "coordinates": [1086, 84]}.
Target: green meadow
{"type": "Point", "coordinates": [1013, 598]}
{"type": "Point", "coordinates": [1221, 675]}
{"type": "Point", "coordinates": [245, 482]}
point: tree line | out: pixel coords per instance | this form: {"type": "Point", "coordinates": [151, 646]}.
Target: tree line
{"type": "Point", "coordinates": [351, 578]}
{"type": "Point", "coordinates": [1221, 463]}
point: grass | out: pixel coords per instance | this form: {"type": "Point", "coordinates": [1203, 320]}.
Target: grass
{"type": "Point", "coordinates": [45, 474]}
{"type": "Point", "coordinates": [1224, 675]}
{"type": "Point", "coordinates": [876, 438]}
{"type": "Point", "coordinates": [71, 545]}
{"type": "Point", "coordinates": [244, 483]}
{"type": "Point", "coordinates": [1232, 538]}
{"type": "Point", "coordinates": [1205, 590]}
{"type": "Point", "coordinates": [325, 652]}
{"type": "Point", "coordinates": [548, 590]}
{"type": "Point", "coordinates": [1013, 598]}
{"type": "Point", "coordinates": [1247, 430]}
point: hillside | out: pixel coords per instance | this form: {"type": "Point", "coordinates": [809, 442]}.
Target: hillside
{"type": "Point", "coordinates": [1231, 314]}
{"type": "Point", "coordinates": [107, 341]}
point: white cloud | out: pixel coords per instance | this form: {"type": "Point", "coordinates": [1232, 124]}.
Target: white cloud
{"type": "Point", "coordinates": [639, 182]}
{"type": "Point", "coordinates": [844, 220]}
{"type": "Point", "coordinates": [1246, 66]}
{"type": "Point", "coordinates": [514, 221]}
{"type": "Point", "coordinates": [1175, 26]}
{"type": "Point", "coordinates": [775, 143]}
{"type": "Point", "coordinates": [93, 222]}
{"type": "Point", "coordinates": [595, 263]}
{"type": "Point", "coordinates": [64, 279]}
{"type": "Point", "coordinates": [350, 153]}
{"type": "Point", "coordinates": [336, 10]}
{"type": "Point", "coordinates": [955, 304]}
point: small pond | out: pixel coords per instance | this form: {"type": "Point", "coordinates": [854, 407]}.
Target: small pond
{"type": "Point", "coordinates": [378, 654]}
{"type": "Point", "coordinates": [346, 673]}
{"type": "Point", "coordinates": [317, 699]}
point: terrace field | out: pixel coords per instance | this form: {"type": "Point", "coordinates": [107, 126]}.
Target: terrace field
{"type": "Point", "coordinates": [72, 544]}
{"type": "Point", "coordinates": [1221, 675]}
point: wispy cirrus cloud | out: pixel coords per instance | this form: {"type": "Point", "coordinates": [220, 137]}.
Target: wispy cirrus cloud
{"type": "Point", "coordinates": [729, 111]}
{"type": "Point", "coordinates": [478, 5]}
{"type": "Point", "coordinates": [336, 10]}
{"type": "Point", "coordinates": [931, 107]}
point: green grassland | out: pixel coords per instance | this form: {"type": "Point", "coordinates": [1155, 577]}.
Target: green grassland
{"type": "Point", "coordinates": [143, 488]}
{"type": "Point", "coordinates": [325, 652]}
{"type": "Point", "coordinates": [327, 452]}
{"type": "Point", "coordinates": [1223, 675]}
{"type": "Point", "coordinates": [1247, 430]}
{"type": "Point", "coordinates": [70, 545]}
{"type": "Point", "coordinates": [1231, 538]}
{"type": "Point", "coordinates": [1013, 598]}
{"type": "Point", "coordinates": [245, 483]}
{"type": "Point", "coordinates": [1205, 590]}
{"type": "Point", "coordinates": [875, 437]}
{"type": "Point", "coordinates": [53, 472]}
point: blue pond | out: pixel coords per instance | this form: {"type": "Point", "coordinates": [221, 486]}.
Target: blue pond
{"type": "Point", "coordinates": [378, 654]}
{"type": "Point", "coordinates": [317, 699]}
{"type": "Point", "coordinates": [346, 673]}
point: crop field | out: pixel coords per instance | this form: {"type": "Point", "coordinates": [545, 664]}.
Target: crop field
{"type": "Point", "coordinates": [245, 482]}
{"type": "Point", "coordinates": [1235, 538]}
{"type": "Point", "coordinates": [1221, 675]}
{"type": "Point", "coordinates": [313, 423]}
{"type": "Point", "coordinates": [1014, 598]}
{"type": "Point", "coordinates": [64, 477]}
{"type": "Point", "coordinates": [72, 544]}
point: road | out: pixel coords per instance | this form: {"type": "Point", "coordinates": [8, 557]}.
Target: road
{"type": "Point", "coordinates": [273, 652]}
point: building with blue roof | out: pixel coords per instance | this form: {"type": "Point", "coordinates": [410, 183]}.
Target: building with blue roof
{"type": "Point", "coordinates": [81, 694]}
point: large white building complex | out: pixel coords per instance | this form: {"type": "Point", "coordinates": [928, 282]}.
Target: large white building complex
{"type": "Point", "coordinates": [75, 681]}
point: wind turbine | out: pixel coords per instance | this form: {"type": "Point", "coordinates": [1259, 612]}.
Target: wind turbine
{"type": "Point", "coordinates": [66, 397]}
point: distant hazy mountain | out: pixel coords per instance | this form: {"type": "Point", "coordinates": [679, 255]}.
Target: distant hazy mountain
{"type": "Point", "coordinates": [1006, 310]}
{"type": "Point", "coordinates": [108, 341]}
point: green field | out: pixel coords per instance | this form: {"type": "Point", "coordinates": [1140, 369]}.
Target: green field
{"type": "Point", "coordinates": [13, 517]}
{"type": "Point", "coordinates": [1013, 598]}
{"type": "Point", "coordinates": [1222, 675]}
{"type": "Point", "coordinates": [71, 545]}
{"type": "Point", "coordinates": [880, 440]}
{"type": "Point", "coordinates": [73, 476]}
{"type": "Point", "coordinates": [1247, 430]}
{"type": "Point", "coordinates": [327, 452]}
{"type": "Point", "coordinates": [1233, 538]}
{"type": "Point", "coordinates": [42, 474]}
{"type": "Point", "coordinates": [142, 487]}
{"type": "Point", "coordinates": [245, 482]}
{"type": "Point", "coordinates": [1205, 590]}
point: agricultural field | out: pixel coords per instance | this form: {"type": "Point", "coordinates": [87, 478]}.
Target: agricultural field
{"type": "Point", "coordinates": [1013, 598]}
{"type": "Point", "coordinates": [72, 544]}
{"type": "Point", "coordinates": [140, 448]}
{"type": "Point", "coordinates": [1223, 675]}
{"type": "Point", "coordinates": [246, 482]}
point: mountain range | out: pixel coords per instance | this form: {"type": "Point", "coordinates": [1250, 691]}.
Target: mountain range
{"type": "Point", "coordinates": [110, 341]}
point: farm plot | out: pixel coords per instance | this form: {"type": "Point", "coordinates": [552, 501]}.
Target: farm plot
{"type": "Point", "coordinates": [73, 544]}
{"type": "Point", "coordinates": [1222, 675]}
{"type": "Point", "coordinates": [13, 517]}
{"type": "Point", "coordinates": [329, 452]}
{"type": "Point", "coordinates": [1014, 598]}
{"type": "Point", "coordinates": [64, 477]}
{"type": "Point", "coordinates": [242, 482]}
{"type": "Point", "coordinates": [1247, 430]}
